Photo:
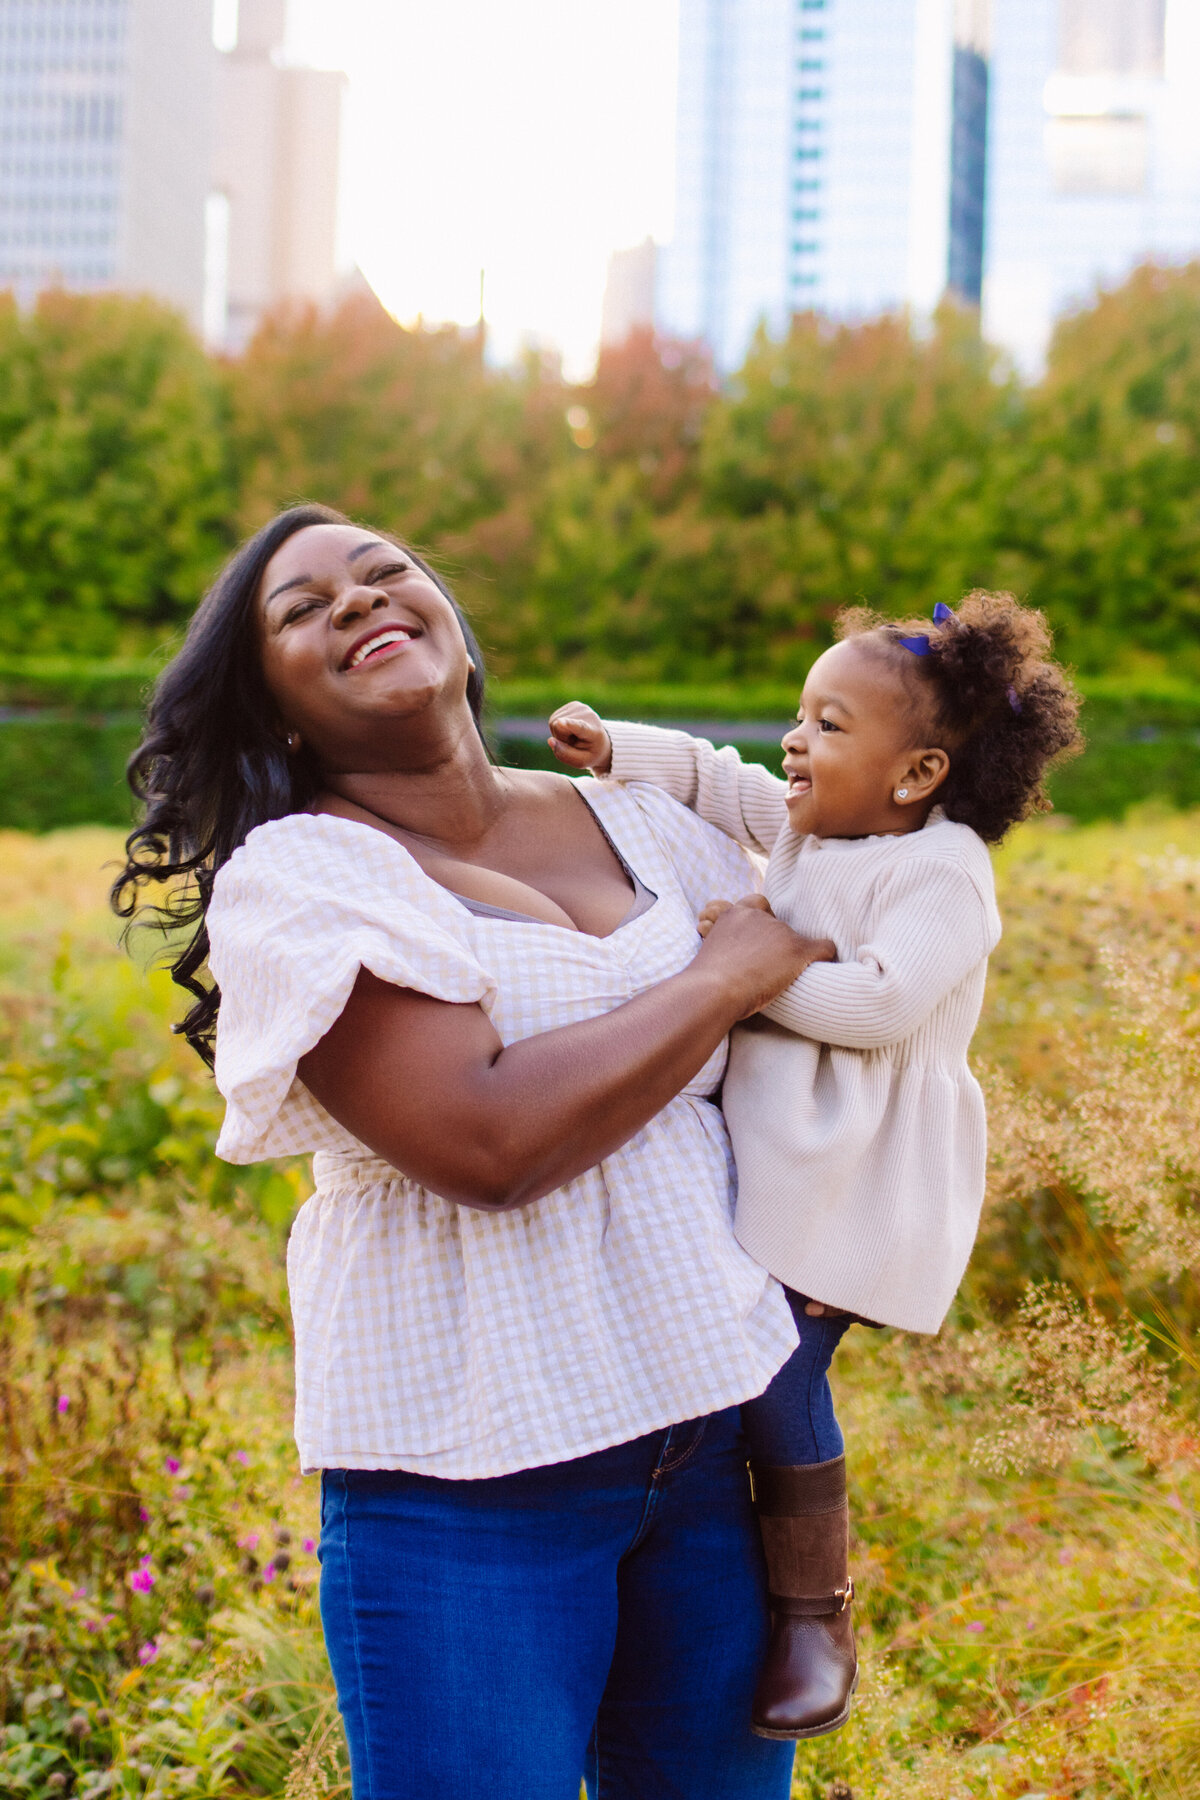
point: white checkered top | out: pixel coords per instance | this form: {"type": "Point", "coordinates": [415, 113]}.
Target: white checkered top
{"type": "Point", "coordinates": [438, 1338]}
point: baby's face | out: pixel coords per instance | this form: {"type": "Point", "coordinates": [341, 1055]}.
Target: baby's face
{"type": "Point", "coordinates": [849, 747]}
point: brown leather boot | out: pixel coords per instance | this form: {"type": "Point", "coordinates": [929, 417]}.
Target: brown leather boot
{"type": "Point", "coordinates": [811, 1670]}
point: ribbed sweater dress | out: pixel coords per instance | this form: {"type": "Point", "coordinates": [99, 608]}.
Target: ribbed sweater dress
{"type": "Point", "coordinates": [858, 1128]}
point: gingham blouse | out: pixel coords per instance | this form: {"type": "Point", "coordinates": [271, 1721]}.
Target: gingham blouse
{"type": "Point", "coordinates": [438, 1338]}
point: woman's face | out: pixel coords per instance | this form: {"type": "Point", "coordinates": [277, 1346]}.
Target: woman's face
{"type": "Point", "coordinates": [356, 639]}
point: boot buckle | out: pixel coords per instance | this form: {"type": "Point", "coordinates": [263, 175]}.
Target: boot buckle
{"type": "Point", "coordinates": [845, 1594]}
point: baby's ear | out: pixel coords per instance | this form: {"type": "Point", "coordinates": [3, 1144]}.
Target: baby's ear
{"type": "Point", "coordinates": [923, 773]}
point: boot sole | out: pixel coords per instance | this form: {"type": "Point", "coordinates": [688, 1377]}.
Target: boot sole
{"type": "Point", "coordinates": [810, 1731]}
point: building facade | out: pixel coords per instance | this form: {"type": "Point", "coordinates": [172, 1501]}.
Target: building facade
{"type": "Point", "coordinates": [136, 157]}
{"type": "Point", "coordinates": [106, 146]}
{"type": "Point", "coordinates": [629, 291]}
{"type": "Point", "coordinates": [852, 156]}
{"type": "Point", "coordinates": [273, 224]}
{"type": "Point", "coordinates": [1094, 154]}
{"type": "Point", "coordinates": [817, 145]}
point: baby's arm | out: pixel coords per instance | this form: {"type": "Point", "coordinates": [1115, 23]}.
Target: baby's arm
{"type": "Point", "coordinates": [742, 799]}
{"type": "Point", "coordinates": [934, 926]}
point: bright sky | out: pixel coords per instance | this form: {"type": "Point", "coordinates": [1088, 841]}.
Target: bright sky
{"type": "Point", "coordinates": [526, 137]}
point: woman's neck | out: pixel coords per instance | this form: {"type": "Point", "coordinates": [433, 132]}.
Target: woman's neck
{"type": "Point", "coordinates": [449, 797]}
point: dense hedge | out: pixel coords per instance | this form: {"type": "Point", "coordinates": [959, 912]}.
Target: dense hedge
{"type": "Point", "coordinates": [61, 766]}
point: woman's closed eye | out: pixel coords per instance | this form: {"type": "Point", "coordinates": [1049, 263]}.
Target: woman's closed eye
{"type": "Point", "coordinates": [388, 573]}
{"type": "Point", "coordinates": [300, 609]}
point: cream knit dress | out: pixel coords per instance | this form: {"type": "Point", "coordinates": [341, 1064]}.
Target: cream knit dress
{"type": "Point", "coordinates": [857, 1127]}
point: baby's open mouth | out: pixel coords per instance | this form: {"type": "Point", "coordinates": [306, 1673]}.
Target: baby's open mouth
{"type": "Point", "coordinates": [798, 784]}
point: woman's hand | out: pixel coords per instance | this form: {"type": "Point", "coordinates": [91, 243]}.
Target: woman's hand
{"type": "Point", "coordinates": [578, 738]}
{"type": "Point", "coordinates": [756, 949]}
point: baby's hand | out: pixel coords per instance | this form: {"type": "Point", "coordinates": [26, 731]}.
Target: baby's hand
{"type": "Point", "coordinates": [578, 738]}
{"type": "Point", "coordinates": [715, 908]}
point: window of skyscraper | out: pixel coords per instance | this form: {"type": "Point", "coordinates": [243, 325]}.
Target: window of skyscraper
{"type": "Point", "coordinates": [1101, 155]}
{"type": "Point", "coordinates": [1111, 37]}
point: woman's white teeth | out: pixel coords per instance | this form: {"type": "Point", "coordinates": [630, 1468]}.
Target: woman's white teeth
{"type": "Point", "coordinates": [377, 643]}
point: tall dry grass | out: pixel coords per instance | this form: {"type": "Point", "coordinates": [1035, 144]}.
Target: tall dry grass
{"type": "Point", "coordinates": [1026, 1486]}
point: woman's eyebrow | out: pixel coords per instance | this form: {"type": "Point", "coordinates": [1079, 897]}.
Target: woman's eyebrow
{"type": "Point", "coordinates": [373, 544]}
{"type": "Point", "coordinates": [296, 581]}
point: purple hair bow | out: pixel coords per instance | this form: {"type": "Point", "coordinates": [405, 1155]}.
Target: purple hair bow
{"type": "Point", "coordinates": [920, 645]}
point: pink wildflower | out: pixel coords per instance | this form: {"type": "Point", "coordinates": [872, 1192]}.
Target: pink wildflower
{"type": "Point", "coordinates": [310, 1546]}
{"type": "Point", "coordinates": [240, 1456]}
{"type": "Point", "coordinates": [172, 1465]}
{"type": "Point", "coordinates": [64, 1402]}
{"type": "Point", "coordinates": [143, 1515]}
{"type": "Point", "coordinates": [975, 1625]}
{"type": "Point", "coordinates": [147, 1653]}
{"type": "Point", "coordinates": [249, 1542]}
{"type": "Point", "coordinates": [142, 1580]}
{"type": "Point", "coordinates": [270, 1572]}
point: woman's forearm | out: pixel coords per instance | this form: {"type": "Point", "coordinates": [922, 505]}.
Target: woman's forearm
{"type": "Point", "coordinates": [558, 1103]}
{"type": "Point", "coordinates": [430, 1088]}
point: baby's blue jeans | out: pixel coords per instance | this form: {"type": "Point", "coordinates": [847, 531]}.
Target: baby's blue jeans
{"type": "Point", "coordinates": [605, 1618]}
{"type": "Point", "coordinates": [793, 1421]}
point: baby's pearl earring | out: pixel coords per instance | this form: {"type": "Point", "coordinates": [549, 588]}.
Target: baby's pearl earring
{"type": "Point", "coordinates": [902, 793]}
{"type": "Point", "coordinates": [293, 741]}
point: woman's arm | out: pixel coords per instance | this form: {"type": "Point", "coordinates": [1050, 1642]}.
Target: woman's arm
{"type": "Point", "coordinates": [430, 1088]}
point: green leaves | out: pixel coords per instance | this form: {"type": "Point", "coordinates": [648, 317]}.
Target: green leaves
{"type": "Point", "coordinates": [114, 479]}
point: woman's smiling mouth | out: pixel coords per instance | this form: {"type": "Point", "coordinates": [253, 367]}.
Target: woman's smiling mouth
{"type": "Point", "coordinates": [369, 647]}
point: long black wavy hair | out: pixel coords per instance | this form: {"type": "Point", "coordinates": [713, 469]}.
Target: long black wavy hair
{"type": "Point", "coordinates": [211, 766]}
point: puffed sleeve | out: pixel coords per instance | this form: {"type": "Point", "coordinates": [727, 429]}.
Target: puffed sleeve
{"type": "Point", "coordinates": [296, 913]}
{"type": "Point", "coordinates": [706, 863]}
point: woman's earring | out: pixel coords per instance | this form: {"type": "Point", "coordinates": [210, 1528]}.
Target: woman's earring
{"type": "Point", "coordinates": [293, 741]}
{"type": "Point", "coordinates": [902, 793]}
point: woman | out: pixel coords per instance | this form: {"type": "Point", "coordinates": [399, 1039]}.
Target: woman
{"type": "Point", "coordinates": [523, 1325]}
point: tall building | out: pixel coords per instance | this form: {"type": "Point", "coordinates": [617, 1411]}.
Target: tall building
{"type": "Point", "coordinates": [134, 156]}
{"type": "Point", "coordinates": [856, 155]}
{"type": "Point", "coordinates": [273, 224]}
{"type": "Point", "coordinates": [629, 291]}
{"type": "Point", "coordinates": [105, 146]}
{"type": "Point", "coordinates": [1094, 153]}
{"type": "Point", "coordinates": [817, 145]}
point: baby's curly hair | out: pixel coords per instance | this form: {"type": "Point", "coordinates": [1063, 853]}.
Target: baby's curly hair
{"type": "Point", "coordinates": [992, 697]}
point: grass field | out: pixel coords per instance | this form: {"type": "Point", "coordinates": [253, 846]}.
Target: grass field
{"type": "Point", "coordinates": [1025, 1488]}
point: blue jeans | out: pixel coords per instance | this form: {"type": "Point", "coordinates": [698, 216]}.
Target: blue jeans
{"type": "Point", "coordinates": [604, 1618]}
{"type": "Point", "coordinates": [792, 1421]}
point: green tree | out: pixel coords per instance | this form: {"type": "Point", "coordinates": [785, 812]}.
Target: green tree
{"type": "Point", "coordinates": [1101, 523]}
{"type": "Point", "coordinates": [115, 491]}
{"type": "Point", "coordinates": [860, 460]}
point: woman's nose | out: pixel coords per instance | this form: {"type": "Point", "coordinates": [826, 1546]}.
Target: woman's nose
{"type": "Point", "coordinates": [354, 602]}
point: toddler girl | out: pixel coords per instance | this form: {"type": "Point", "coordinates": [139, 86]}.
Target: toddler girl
{"type": "Point", "coordinates": [857, 1127]}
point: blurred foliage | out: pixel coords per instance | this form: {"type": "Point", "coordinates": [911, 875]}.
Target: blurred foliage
{"type": "Point", "coordinates": [115, 482]}
{"type": "Point", "coordinates": [1028, 1634]}
{"type": "Point", "coordinates": [647, 526]}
